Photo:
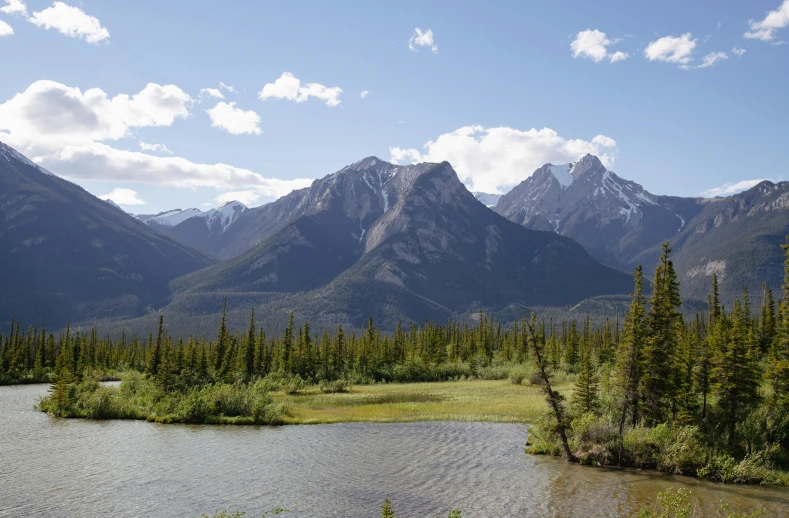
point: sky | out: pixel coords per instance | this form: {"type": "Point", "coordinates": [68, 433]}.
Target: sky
{"type": "Point", "coordinates": [158, 105]}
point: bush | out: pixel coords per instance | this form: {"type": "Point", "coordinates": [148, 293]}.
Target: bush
{"type": "Point", "coordinates": [684, 453]}
{"type": "Point", "coordinates": [293, 385]}
{"type": "Point", "coordinates": [335, 387]}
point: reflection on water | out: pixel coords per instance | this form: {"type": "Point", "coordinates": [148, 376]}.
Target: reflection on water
{"type": "Point", "coordinates": [53, 467]}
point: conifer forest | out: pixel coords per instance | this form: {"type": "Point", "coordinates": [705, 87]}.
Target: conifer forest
{"type": "Point", "coordinates": [706, 396]}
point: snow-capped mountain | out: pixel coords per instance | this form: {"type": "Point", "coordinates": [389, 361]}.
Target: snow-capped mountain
{"type": "Point", "coordinates": [218, 219]}
{"type": "Point", "coordinates": [486, 198]}
{"type": "Point", "coordinates": [395, 242]}
{"type": "Point", "coordinates": [613, 218]}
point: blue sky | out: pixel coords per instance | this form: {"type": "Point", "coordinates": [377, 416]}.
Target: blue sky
{"type": "Point", "coordinates": [500, 70]}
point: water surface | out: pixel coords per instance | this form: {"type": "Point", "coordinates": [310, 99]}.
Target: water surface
{"type": "Point", "coordinates": [57, 467]}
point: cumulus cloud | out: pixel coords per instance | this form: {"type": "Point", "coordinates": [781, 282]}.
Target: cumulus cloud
{"type": "Point", "coordinates": [156, 148]}
{"type": "Point", "coordinates": [728, 189]}
{"type": "Point", "coordinates": [493, 159]}
{"type": "Point", "coordinates": [212, 92]}
{"type": "Point", "coordinates": [765, 29]}
{"type": "Point", "coordinates": [289, 87]}
{"type": "Point", "coordinates": [64, 129]}
{"type": "Point", "coordinates": [71, 21]}
{"type": "Point", "coordinates": [97, 161]}
{"type": "Point", "coordinates": [707, 61]}
{"type": "Point", "coordinates": [422, 39]}
{"type": "Point", "coordinates": [5, 29]}
{"type": "Point", "coordinates": [234, 120]}
{"type": "Point", "coordinates": [53, 114]}
{"type": "Point", "coordinates": [122, 196]}
{"type": "Point", "coordinates": [738, 51]}
{"type": "Point", "coordinates": [671, 49]}
{"type": "Point", "coordinates": [363, 94]}
{"type": "Point", "coordinates": [593, 44]}
{"type": "Point", "coordinates": [14, 7]}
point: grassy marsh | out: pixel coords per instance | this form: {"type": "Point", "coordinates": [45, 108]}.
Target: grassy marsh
{"type": "Point", "coordinates": [477, 400]}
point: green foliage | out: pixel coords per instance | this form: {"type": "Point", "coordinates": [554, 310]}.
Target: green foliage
{"type": "Point", "coordinates": [335, 386]}
{"type": "Point", "coordinates": [677, 503]}
{"type": "Point", "coordinates": [386, 510]}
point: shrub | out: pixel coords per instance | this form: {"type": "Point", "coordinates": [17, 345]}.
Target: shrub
{"type": "Point", "coordinates": [335, 387]}
{"type": "Point", "coordinates": [684, 453]}
{"type": "Point", "coordinates": [293, 385]}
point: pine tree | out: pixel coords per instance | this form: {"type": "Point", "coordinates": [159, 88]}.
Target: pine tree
{"type": "Point", "coordinates": [779, 365]}
{"type": "Point", "coordinates": [386, 510]}
{"type": "Point", "coordinates": [156, 357]}
{"type": "Point", "coordinates": [586, 386]}
{"type": "Point", "coordinates": [221, 340]}
{"type": "Point", "coordinates": [664, 324]}
{"type": "Point", "coordinates": [628, 360]}
{"type": "Point", "coordinates": [735, 374]}
{"type": "Point", "coordinates": [248, 352]}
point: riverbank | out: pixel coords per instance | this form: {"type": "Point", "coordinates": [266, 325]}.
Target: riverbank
{"type": "Point", "coordinates": [495, 401]}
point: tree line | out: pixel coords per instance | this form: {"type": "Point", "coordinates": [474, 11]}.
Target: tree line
{"type": "Point", "coordinates": [706, 396]}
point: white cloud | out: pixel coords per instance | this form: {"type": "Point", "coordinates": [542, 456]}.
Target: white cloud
{"type": "Point", "coordinates": [62, 129]}
{"type": "Point", "coordinates": [212, 92]}
{"type": "Point", "coordinates": [156, 148]}
{"type": "Point", "coordinates": [708, 60]}
{"type": "Point", "coordinates": [593, 44]}
{"type": "Point", "coordinates": [728, 189]}
{"type": "Point", "coordinates": [618, 56]}
{"type": "Point", "coordinates": [14, 7]}
{"type": "Point", "coordinates": [363, 94]}
{"type": "Point", "coordinates": [738, 51]}
{"type": "Point", "coordinates": [765, 30]}
{"type": "Point", "coordinates": [671, 49]}
{"type": "Point", "coordinates": [491, 159]}
{"type": "Point", "coordinates": [123, 197]}
{"type": "Point", "coordinates": [5, 29]}
{"type": "Point", "coordinates": [227, 88]}
{"type": "Point", "coordinates": [422, 39]}
{"type": "Point", "coordinates": [53, 114]}
{"type": "Point", "coordinates": [71, 21]}
{"type": "Point", "coordinates": [234, 120]}
{"type": "Point", "coordinates": [287, 86]}
{"type": "Point", "coordinates": [97, 161]}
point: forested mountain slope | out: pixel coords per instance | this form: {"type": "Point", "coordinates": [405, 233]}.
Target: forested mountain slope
{"type": "Point", "coordinates": [67, 255]}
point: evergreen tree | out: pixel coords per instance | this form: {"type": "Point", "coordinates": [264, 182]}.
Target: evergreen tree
{"type": "Point", "coordinates": [586, 386]}
{"type": "Point", "coordinates": [628, 360]}
{"type": "Point", "coordinates": [386, 510]}
{"type": "Point", "coordinates": [664, 324]}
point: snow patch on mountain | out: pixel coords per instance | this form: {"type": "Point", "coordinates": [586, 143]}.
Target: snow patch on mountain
{"type": "Point", "coordinates": [225, 215]}
{"type": "Point", "coordinates": [173, 217]}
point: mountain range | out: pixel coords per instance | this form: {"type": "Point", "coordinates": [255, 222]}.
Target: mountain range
{"type": "Point", "coordinates": [396, 243]}
{"type": "Point", "coordinates": [623, 225]}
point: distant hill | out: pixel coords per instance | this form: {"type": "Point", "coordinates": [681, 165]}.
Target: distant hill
{"type": "Point", "coordinates": [67, 255]}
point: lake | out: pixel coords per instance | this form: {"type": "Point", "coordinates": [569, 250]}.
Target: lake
{"type": "Point", "coordinates": [63, 468]}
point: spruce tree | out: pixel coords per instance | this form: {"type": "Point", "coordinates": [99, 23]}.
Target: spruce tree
{"type": "Point", "coordinates": [586, 386]}
{"type": "Point", "coordinates": [628, 360]}
{"type": "Point", "coordinates": [664, 324]}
